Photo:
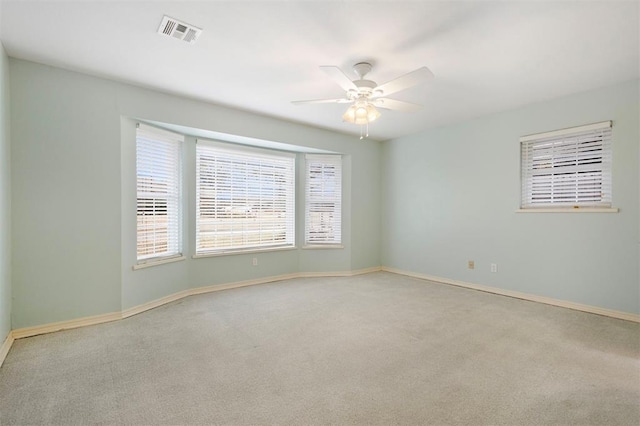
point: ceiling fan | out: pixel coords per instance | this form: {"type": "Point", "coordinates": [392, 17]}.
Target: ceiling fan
{"type": "Point", "coordinates": [365, 95]}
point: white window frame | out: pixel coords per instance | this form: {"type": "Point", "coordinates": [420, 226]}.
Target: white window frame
{"type": "Point", "coordinates": [323, 201]}
{"type": "Point", "coordinates": [256, 172]}
{"type": "Point", "coordinates": [567, 170]}
{"type": "Point", "coordinates": [159, 184]}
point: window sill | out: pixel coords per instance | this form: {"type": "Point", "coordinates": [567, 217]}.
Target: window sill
{"type": "Point", "coordinates": [570, 210]}
{"type": "Point", "coordinates": [157, 262]}
{"type": "Point", "coordinates": [322, 246]}
{"type": "Point", "coordinates": [236, 252]}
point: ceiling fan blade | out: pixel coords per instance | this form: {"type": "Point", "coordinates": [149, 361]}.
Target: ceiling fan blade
{"type": "Point", "coordinates": [403, 82]}
{"type": "Point", "coordinates": [323, 101]}
{"type": "Point", "coordinates": [339, 77]}
{"type": "Point", "coordinates": [396, 105]}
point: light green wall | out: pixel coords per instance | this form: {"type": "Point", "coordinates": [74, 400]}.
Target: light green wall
{"type": "Point", "coordinates": [74, 196]}
{"type": "Point", "coordinates": [5, 200]}
{"type": "Point", "coordinates": [450, 195]}
{"type": "Point", "coordinates": [66, 195]}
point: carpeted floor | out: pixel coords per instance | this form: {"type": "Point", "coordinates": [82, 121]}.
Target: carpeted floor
{"type": "Point", "coordinates": [372, 349]}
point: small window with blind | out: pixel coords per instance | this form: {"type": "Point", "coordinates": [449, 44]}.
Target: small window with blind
{"type": "Point", "coordinates": [567, 169]}
{"type": "Point", "coordinates": [244, 199]}
{"type": "Point", "coordinates": [159, 194]}
{"type": "Point", "coordinates": [323, 200]}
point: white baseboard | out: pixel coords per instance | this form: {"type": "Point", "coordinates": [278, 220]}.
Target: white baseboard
{"type": "Point", "coordinates": [340, 274]}
{"type": "Point", "coordinates": [98, 319]}
{"type": "Point", "coordinates": [65, 325]}
{"type": "Point", "coordinates": [6, 345]}
{"type": "Point", "coordinates": [154, 303]}
{"type": "Point", "coordinates": [525, 296]}
{"type": "Point", "coordinates": [238, 284]}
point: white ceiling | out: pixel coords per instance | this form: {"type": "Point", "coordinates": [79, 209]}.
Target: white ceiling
{"type": "Point", "coordinates": [259, 56]}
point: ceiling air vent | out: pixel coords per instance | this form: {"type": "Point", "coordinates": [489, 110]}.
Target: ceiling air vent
{"type": "Point", "coordinates": [180, 30]}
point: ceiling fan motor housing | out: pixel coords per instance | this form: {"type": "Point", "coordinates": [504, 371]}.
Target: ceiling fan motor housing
{"type": "Point", "coordinates": [365, 88]}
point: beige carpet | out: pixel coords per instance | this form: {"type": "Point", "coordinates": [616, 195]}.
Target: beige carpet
{"type": "Point", "coordinates": [372, 349]}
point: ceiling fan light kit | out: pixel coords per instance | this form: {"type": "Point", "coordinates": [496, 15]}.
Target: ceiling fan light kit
{"type": "Point", "coordinates": [361, 113]}
{"type": "Point", "coordinates": [364, 95]}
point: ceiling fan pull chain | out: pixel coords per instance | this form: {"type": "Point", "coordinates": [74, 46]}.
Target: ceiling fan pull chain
{"type": "Point", "coordinates": [366, 134]}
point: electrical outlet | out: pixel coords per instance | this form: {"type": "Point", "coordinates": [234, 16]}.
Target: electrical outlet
{"type": "Point", "coordinates": [494, 267]}
{"type": "Point", "coordinates": [472, 264]}
{"type": "Point", "coordinates": [255, 261]}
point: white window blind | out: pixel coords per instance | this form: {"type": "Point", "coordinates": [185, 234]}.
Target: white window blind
{"type": "Point", "coordinates": [245, 198]}
{"type": "Point", "coordinates": [567, 168]}
{"type": "Point", "coordinates": [159, 189]}
{"type": "Point", "coordinates": [323, 199]}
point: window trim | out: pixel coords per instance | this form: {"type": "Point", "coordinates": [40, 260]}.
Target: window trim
{"type": "Point", "coordinates": [325, 159]}
{"type": "Point", "coordinates": [570, 210]}
{"type": "Point", "coordinates": [158, 261]}
{"type": "Point", "coordinates": [247, 251]}
{"type": "Point", "coordinates": [164, 135]}
{"type": "Point", "coordinates": [567, 131]}
{"type": "Point", "coordinates": [604, 205]}
{"type": "Point", "coordinates": [322, 246]}
{"type": "Point", "coordinates": [247, 150]}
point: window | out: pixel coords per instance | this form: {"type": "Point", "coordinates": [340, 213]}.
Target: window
{"type": "Point", "coordinates": [323, 200]}
{"type": "Point", "coordinates": [567, 168]}
{"type": "Point", "coordinates": [244, 198]}
{"type": "Point", "coordinates": [159, 189]}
